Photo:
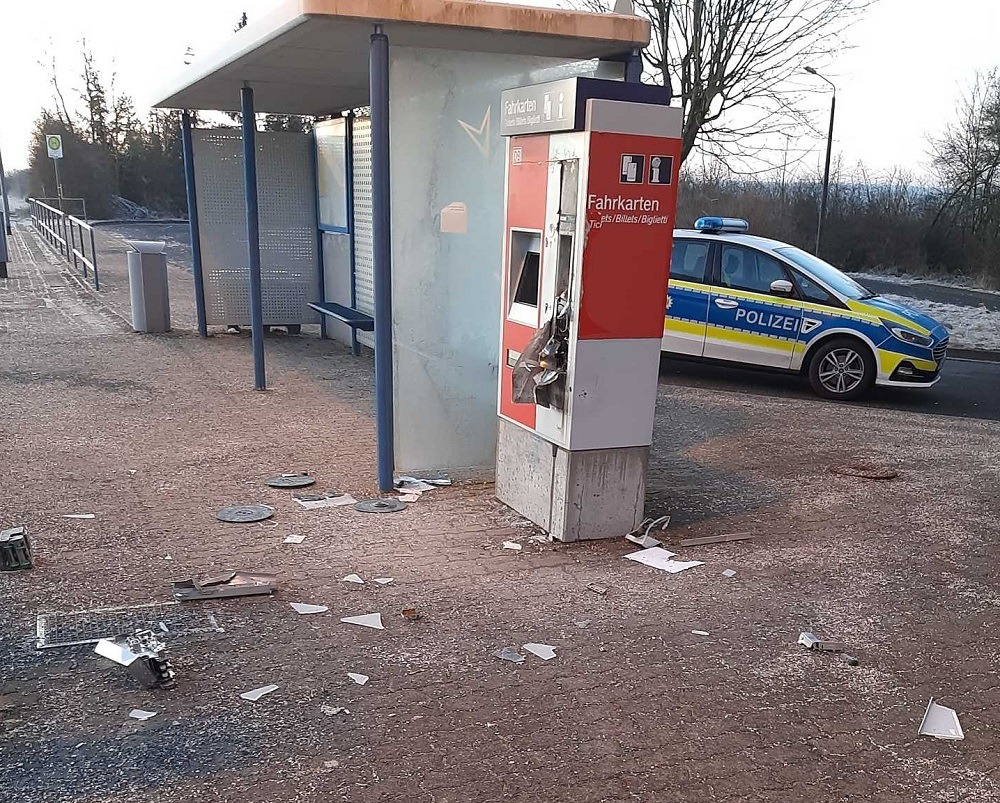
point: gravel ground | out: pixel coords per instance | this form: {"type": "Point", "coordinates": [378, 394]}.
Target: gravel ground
{"type": "Point", "coordinates": [154, 434]}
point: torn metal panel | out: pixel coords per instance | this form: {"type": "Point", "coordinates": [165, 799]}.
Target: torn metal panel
{"type": "Point", "coordinates": [239, 584]}
{"type": "Point", "coordinates": [70, 628]}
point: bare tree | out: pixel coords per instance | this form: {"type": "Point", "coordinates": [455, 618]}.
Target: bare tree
{"type": "Point", "coordinates": [734, 64]}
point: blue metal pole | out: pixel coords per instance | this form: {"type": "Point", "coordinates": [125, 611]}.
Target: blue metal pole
{"type": "Point", "coordinates": [253, 235]}
{"type": "Point", "coordinates": [349, 173]}
{"type": "Point", "coordinates": [319, 233]}
{"type": "Point", "coordinates": [633, 67]}
{"type": "Point", "coordinates": [378, 75]}
{"type": "Point", "coordinates": [193, 226]}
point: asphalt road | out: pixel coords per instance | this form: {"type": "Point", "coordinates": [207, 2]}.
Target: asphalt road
{"type": "Point", "coordinates": [969, 389]}
{"type": "Point", "coordinates": [941, 293]}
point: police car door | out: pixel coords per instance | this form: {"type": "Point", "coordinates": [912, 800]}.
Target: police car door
{"type": "Point", "coordinates": [747, 322]}
{"type": "Point", "coordinates": [686, 321]}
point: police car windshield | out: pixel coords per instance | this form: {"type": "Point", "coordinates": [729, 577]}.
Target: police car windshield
{"type": "Point", "coordinates": [826, 273]}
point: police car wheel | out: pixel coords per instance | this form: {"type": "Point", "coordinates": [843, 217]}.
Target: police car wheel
{"type": "Point", "coordinates": [842, 369]}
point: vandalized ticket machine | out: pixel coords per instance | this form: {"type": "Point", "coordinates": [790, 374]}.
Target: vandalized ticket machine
{"type": "Point", "coordinates": [591, 194]}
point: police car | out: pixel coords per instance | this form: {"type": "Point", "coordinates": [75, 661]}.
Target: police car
{"type": "Point", "coordinates": [760, 302]}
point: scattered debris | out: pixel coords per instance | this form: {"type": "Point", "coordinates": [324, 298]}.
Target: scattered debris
{"type": "Point", "coordinates": [332, 711]}
{"type": "Point", "coordinates": [294, 539]}
{"type": "Point", "coordinates": [641, 534]}
{"type": "Point", "coordinates": [544, 651]}
{"type": "Point", "coordinates": [245, 514]}
{"type": "Point", "coordinates": [582, 624]}
{"type": "Point", "coordinates": [383, 581]}
{"type": "Point", "coordinates": [700, 632]}
{"type": "Point", "coordinates": [232, 584]}
{"type": "Point", "coordinates": [361, 680]}
{"type": "Point", "coordinates": [813, 642]}
{"type": "Point", "coordinates": [372, 620]}
{"type": "Point", "coordinates": [510, 654]}
{"type": "Point", "coordinates": [15, 551]}
{"type": "Point", "coordinates": [541, 539]}
{"type": "Point", "coordinates": [433, 482]}
{"type": "Point", "coordinates": [850, 660]}
{"type": "Point", "coordinates": [353, 578]}
{"type": "Point", "coordinates": [728, 573]}
{"type": "Point", "coordinates": [79, 516]}
{"type": "Point", "coordinates": [715, 539]}
{"type": "Point", "coordinates": [302, 607]}
{"type": "Point", "coordinates": [660, 558]}
{"type": "Point", "coordinates": [328, 499]}
{"type": "Point", "coordinates": [142, 654]}
{"type": "Point", "coordinates": [597, 588]}
{"type": "Point", "coordinates": [512, 545]}
{"type": "Point", "coordinates": [380, 506]}
{"type": "Point", "coordinates": [645, 541]}
{"type": "Point", "coordinates": [866, 471]}
{"type": "Point", "coordinates": [256, 694]}
{"type": "Point", "coordinates": [410, 614]}
{"type": "Point", "coordinates": [138, 713]}
{"type": "Point", "coordinates": [409, 497]}
{"type": "Point", "coordinates": [413, 485]}
{"type": "Point", "coordinates": [941, 722]}
{"type": "Point", "coordinates": [293, 480]}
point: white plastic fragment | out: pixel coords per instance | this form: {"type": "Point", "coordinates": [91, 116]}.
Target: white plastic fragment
{"type": "Point", "coordinates": [643, 540]}
{"type": "Point", "coordinates": [360, 679]}
{"type": "Point", "coordinates": [941, 722]}
{"type": "Point", "coordinates": [302, 607]}
{"type": "Point", "coordinates": [409, 497]}
{"type": "Point", "coordinates": [512, 545]}
{"type": "Point", "coordinates": [79, 516]}
{"type": "Point", "coordinates": [329, 501]}
{"type": "Point", "coordinates": [294, 539]}
{"type": "Point", "coordinates": [372, 620]}
{"type": "Point", "coordinates": [544, 651]}
{"type": "Point", "coordinates": [728, 573]}
{"type": "Point", "coordinates": [383, 581]}
{"type": "Point", "coordinates": [138, 713]}
{"type": "Point", "coordinates": [331, 710]}
{"type": "Point", "coordinates": [660, 558]}
{"type": "Point", "coordinates": [510, 654]}
{"type": "Point", "coordinates": [114, 651]}
{"type": "Point", "coordinates": [353, 578]}
{"type": "Point", "coordinates": [700, 632]}
{"type": "Point", "coordinates": [256, 694]}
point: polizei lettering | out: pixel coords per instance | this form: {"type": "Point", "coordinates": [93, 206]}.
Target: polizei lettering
{"type": "Point", "coordinates": [770, 320]}
{"type": "Point", "coordinates": [618, 203]}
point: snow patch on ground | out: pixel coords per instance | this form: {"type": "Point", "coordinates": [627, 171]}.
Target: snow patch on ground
{"type": "Point", "coordinates": [970, 327]}
{"type": "Point", "coordinates": [961, 282]}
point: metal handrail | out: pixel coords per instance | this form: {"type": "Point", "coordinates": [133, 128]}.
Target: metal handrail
{"type": "Point", "coordinates": [60, 230]}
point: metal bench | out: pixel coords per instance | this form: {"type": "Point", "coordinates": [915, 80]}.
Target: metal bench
{"type": "Point", "coordinates": [352, 317]}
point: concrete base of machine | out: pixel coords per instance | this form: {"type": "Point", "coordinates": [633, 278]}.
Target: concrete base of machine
{"type": "Point", "coordinates": [575, 496]}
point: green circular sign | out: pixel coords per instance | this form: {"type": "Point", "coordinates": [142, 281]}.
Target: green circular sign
{"type": "Point", "coordinates": [55, 143]}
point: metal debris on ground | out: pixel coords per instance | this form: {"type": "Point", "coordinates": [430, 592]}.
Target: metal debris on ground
{"type": "Point", "coordinates": [292, 480]}
{"type": "Point", "coordinates": [245, 514]}
{"type": "Point", "coordinates": [70, 628]}
{"type": "Point", "coordinates": [433, 482]}
{"type": "Point", "coordinates": [15, 551]}
{"type": "Point", "coordinates": [353, 578]}
{"type": "Point", "coordinates": [700, 632]}
{"type": "Point", "coordinates": [660, 558]}
{"type": "Point", "coordinates": [512, 545]}
{"type": "Point", "coordinates": [813, 642]}
{"type": "Point", "coordinates": [409, 497]}
{"type": "Point", "coordinates": [142, 653]}
{"type": "Point", "coordinates": [383, 581]}
{"type": "Point", "coordinates": [380, 506]}
{"type": "Point", "coordinates": [327, 499]}
{"type": "Point", "coordinates": [544, 651]}
{"type": "Point", "coordinates": [294, 539]}
{"type": "Point", "coordinates": [728, 573]}
{"type": "Point", "coordinates": [231, 584]}
{"type": "Point", "coordinates": [303, 608]}
{"type": "Point", "coordinates": [358, 678]}
{"type": "Point", "coordinates": [510, 654]}
{"type": "Point", "coordinates": [941, 722]}
{"type": "Point", "coordinates": [597, 588]}
{"type": "Point", "coordinates": [850, 660]}
{"type": "Point", "coordinates": [372, 620]}
{"type": "Point", "coordinates": [715, 539]}
{"type": "Point", "coordinates": [866, 471]}
{"type": "Point", "coordinates": [413, 485]}
{"type": "Point", "coordinates": [410, 614]}
{"type": "Point", "coordinates": [331, 710]}
{"type": "Point", "coordinates": [641, 534]}
{"type": "Point", "coordinates": [255, 694]}
{"type": "Point", "coordinates": [138, 713]}
{"type": "Point", "coordinates": [79, 516]}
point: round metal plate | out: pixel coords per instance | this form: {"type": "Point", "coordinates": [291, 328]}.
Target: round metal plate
{"type": "Point", "coordinates": [242, 514]}
{"type": "Point", "coordinates": [290, 481]}
{"type": "Point", "coordinates": [866, 471]}
{"type": "Point", "coordinates": [380, 506]}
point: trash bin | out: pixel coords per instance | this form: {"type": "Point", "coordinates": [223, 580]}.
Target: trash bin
{"type": "Point", "coordinates": [147, 280]}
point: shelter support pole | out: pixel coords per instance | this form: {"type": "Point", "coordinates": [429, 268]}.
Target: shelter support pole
{"type": "Point", "coordinates": [253, 234]}
{"type": "Point", "coordinates": [192, 203]}
{"type": "Point", "coordinates": [633, 66]}
{"type": "Point", "coordinates": [382, 253]}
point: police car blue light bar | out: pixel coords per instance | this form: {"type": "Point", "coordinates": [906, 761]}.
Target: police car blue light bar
{"type": "Point", "coordinates": [712, 225]}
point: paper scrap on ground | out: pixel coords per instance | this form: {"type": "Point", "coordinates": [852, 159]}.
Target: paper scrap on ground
{"type": "Point", "coordinates": [728, 573]}
{"type": "Point", "coordinates": [302, 607]}
{"type": "Point", "coordinates": [512, 545]}
{"type": "Point", "coordinates": [383, 581]}
{"type": "Point", "coordinates": [294, 539]}
{"type": "Point", "coordinates": [700, 632]}
{"type": "Point", "coordinates": [941, 722]}
{"type": "Point", "coordinates": [660, 558]}
{"type": "Point", "coordinates": [79, 516]}
{"type": "Point", "coordinates": [138, 713]}
{"type": "Point", "coordinates": [409, 497]}
{"type": "Point", "coordinates": [372, 620]}
{"type": "Point", "coordinates": [256, 694]}
{"type": "Point", "coordinates": [353, 578]}
{"type": "Point", "coordinates": [541, 539]}
{"type": "Point", "coordinates": [510, 654]}
{"type": "Point", "coordinates": [543, 651]}
{"type": "Point", "coordinates": [329, 501]}
{"type": "Point", "coordinates": [361, 680]}
{"type": "Point", "coordinates": [331, 710]}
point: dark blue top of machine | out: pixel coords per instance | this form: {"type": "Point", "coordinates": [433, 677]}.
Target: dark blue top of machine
{"type": "Point", "coordinates": [562, 105]}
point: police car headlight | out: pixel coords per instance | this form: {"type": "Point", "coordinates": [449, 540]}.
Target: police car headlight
{"type": "Point", "coordinates": [912, 337]}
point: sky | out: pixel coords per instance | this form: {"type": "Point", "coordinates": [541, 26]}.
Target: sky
{"type": "Point", "coordinates": [909, 63]}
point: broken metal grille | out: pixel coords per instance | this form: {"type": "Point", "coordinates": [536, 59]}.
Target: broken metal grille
{"type": "Point", "coordinates": [88, 627]}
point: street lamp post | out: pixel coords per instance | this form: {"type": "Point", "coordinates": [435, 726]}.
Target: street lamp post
{"type": "Point", "coordinates": [829, 148]}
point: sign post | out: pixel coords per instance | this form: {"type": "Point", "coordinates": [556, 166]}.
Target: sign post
{"type": "Point", "coordinates": [53, 142]}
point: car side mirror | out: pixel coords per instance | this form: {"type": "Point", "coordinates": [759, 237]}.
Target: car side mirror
{"type": "Point", "coordinates": [781, 287]}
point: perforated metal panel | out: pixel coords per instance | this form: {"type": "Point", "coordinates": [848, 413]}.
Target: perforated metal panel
{"type": "Point", "coordinates": [364, 265]}
{"type": "Point", "coordinates": [287, 212]}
